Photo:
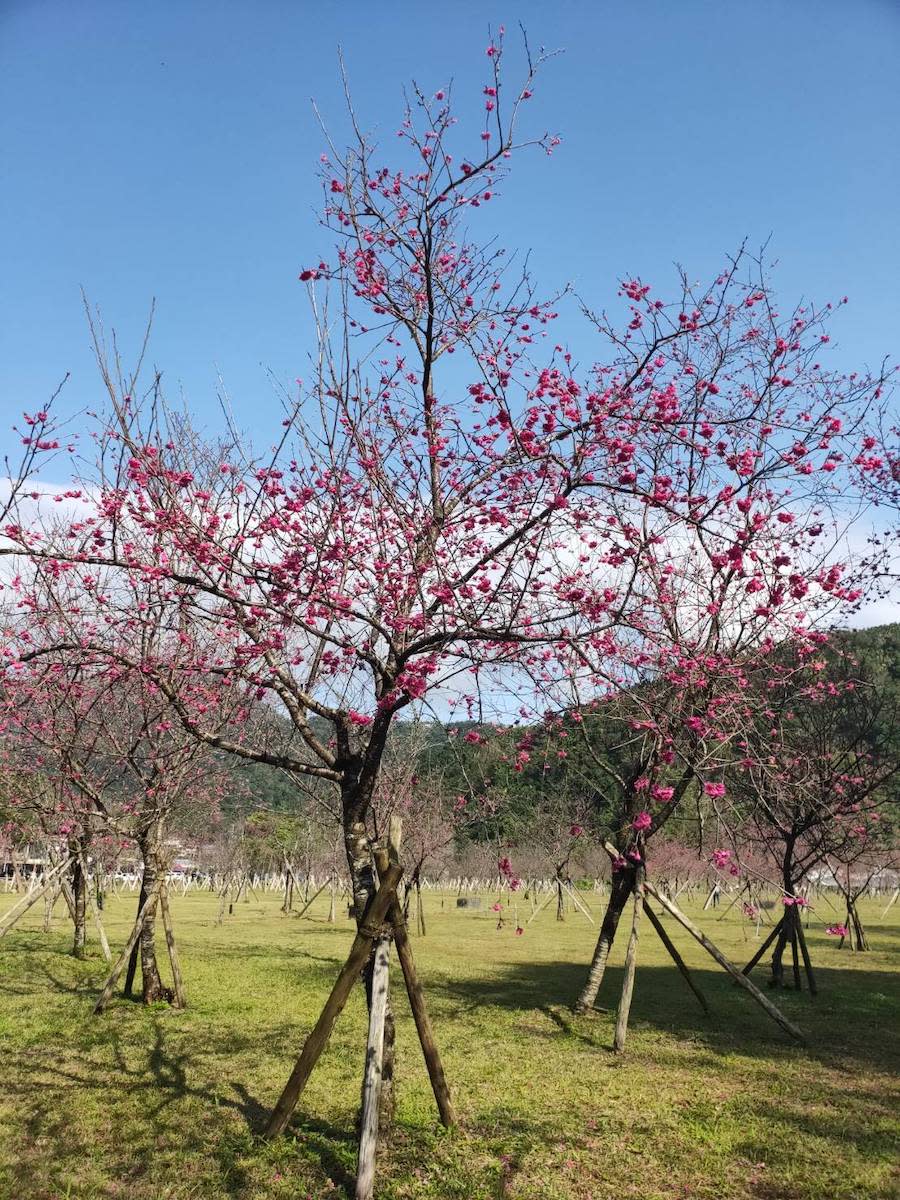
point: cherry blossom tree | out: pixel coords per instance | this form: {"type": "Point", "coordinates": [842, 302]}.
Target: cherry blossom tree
{"type": "Point", "coordinates": [814, 775]}
{"type": "Point", "coordinates": [393, 534]}
{"type": "Point", "coordinates": [453, 504]}
{"type": "Point", "coordinates": [99, 732]}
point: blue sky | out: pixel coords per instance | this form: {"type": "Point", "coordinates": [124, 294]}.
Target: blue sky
{"type": "Point", "coordinates": [168, 150]}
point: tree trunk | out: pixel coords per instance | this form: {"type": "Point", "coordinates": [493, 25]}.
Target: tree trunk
{"type": "Point", "coordinates": [856, 934]}
{"type": "Point", "coordinates": [622, 886]}
{"type": "Point", "coordinates": [152, 988]}
{"type": "Point", "coordinates": [787, 932]}
{"type": "Point", "coordinates": [79, 898]}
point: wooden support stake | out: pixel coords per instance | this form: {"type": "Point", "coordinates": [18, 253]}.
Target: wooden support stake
{"type": "Point", "coordinates": [321, 1032]}
{"type": "Point", "coordinates": [795, 953]}
{"type": "Point", "coordinates": [371, 1097]}
{"type": "Point", "coordinates": [417, 1004]}
{"type": "Point", "coordinates": [95, 911]}
{"type": "Point", "coordinates": [630, 963]}
{"type": "Point", "coordinates": [678, 960]}
{"type": "Point", "coordinates": [180, 998]}
{"type": "Point", "coordinates": [543, 904]}
{"type": "Point", "coordinates": [773, 934]}
{"type": "Point", "coordinates": [66, 893]}
{"type": "Point", "coordinates": [747, 984]}
{"type": "Point", "coordinates": [112, 980]}
{"type": "Point", "coordinates": [314, 899]}
{"type": "Point", "coordinates": [813, 988]}
{"type": "Point", "coordinates": [98, 922]}
{"type": "Point", "coordinates": [21, 907]}
{"type": "Point", "coordinates": [576, 900]}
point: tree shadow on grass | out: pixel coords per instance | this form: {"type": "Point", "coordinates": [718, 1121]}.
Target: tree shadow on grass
{"type": "Point", "coordinates": [150, 1090]}
{"type": "Point", "coordinates": [159, 1081]}
{"type": "Point", "coordinates": [855, 1016]}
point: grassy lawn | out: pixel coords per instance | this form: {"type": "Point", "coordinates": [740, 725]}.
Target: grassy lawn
{"type": "Point", "coordinates": [152, 1104]}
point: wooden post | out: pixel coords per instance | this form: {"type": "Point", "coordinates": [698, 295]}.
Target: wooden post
{"type": "Point", "coordinates": [795, 953]}
{"type": "Point", "coordinates": [720, 958]}
{"type": "Point", "coordinates": [813, 989]}
{"type": "Point", "coordinates": [579, 904]}
{"type": "Point", "coordinates": [371, 1097]}
{"type": "Point", "coordinates": [678, 960]}
{"type": "Point", "coordinates": [313, 900]}
{"type": "Point", "coordinates": [223, 903]}
{"type": "Point", "coordinates": [66, 893]}
{"type": "Point", "coordinates": [49, 901]}
{"type": "Point", "coordinates": [95, 911]}
{"type": "Point", "coordinates": [417, 1004]}
{"type": "Point", "coordinates": [109, 986]}
{"type": "Point", "coordinates": [98, 922]}
{"type": "Point", "coordinates": [763, 948]}
{"type": "Point", "coordinates": [180, 999]}
{"type": "Point", "coordinates": [543, 904]}
{"type": "Point", "coordinates": [318, 1038]}
{"type": "Point", "coordinates": [21, 907]}
{"type": "Point", "coordinates": [630, 963]}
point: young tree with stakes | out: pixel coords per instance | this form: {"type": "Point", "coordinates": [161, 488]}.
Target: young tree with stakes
{"type": "Point", "coordinates": [446, 497]}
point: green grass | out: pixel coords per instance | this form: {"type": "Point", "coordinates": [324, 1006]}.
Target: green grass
{"type": "Point", "coordinates": [152, 1104]}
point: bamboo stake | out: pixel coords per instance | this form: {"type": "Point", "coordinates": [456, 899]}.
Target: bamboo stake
{"type": "Point", "coordinates": [543, 904]}
{"type": "Point", "coordinates": [66, 893]}
{"type": "Point", "coordinates": [98, 922]}
{"type": "Point", "coordinates": [95, 911]}
{"type": "Point", "coordinates": [795, 953]}
{"type": "Point", "coordinates": [321, 1032]}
